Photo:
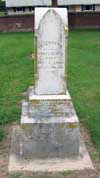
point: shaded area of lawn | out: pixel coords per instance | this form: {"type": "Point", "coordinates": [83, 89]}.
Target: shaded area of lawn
{"type": "Point", "coordinates": [16, 75]}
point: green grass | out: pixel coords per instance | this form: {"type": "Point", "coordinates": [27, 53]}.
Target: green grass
{"type": "Point", "coordinates": [16, 175]}
{"type": "Point", "coordinates": [62, 174]}
{"type": "Point", "coordinates": [16, 75]}
{"type": "Point", "coordinates": [95, 156]}
{"type": "Point", "coordinates": [1, 133]}
{"type": "Point", "coordinates": [84, 78]}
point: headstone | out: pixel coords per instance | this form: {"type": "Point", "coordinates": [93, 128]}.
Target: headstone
{"type": "Point", "coordinates": [55, 127]}
{"type": "Point", "coordinates": [49, 135]}
{"type": "Point", "coordinates": [51, 46]}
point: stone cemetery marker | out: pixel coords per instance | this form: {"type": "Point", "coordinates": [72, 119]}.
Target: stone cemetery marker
{"type": "Point", "coordinates": [49, 133]}
{"type": "Point", "coordinates": [51, 61]}
{"type": "Point", "coordinates": [54, 129]}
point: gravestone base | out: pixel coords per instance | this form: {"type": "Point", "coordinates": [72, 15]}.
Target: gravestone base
{"type": "Point", "coordinates": [50, 127]}
{"type": "Point", "coordinates": [43, 141]}
{"type": "Point", "coordinates": [19, 162]}
{"type": "Point", "coordinates": [48, 138]}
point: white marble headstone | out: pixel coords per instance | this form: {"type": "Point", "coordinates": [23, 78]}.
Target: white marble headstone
{"type": "Point", "coordinates": [50, 30]}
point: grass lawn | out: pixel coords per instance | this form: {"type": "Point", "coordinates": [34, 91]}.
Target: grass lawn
{"type": "Point", "coordinates": [16, 75]}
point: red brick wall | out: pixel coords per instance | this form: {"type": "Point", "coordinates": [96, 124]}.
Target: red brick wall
{"type": "Point", "coordinates": [26, 22]}
{"type": "Point", "coordinates": [84, 20]}
{"type": "Point", "coordinates": [17, 23]}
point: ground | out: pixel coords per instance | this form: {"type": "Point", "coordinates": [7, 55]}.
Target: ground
{"type": "Point", "coordinates": [16, 75]}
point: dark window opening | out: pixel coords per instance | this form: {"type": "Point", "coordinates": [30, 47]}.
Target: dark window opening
{"type": "Point", "coordinates": [14, 9]}
{"type": "Point", "coordinates": [88, 7]}
{"type": "Point", "coordinates": [23, 9]}
{"type": "Point", "coordinates": [31, 9]}
{"type": "Point", "coordinates": [18, 9]}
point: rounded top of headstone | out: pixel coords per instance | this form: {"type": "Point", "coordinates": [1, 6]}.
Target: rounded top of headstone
{"type": "Point", "coordinates": [40, 12]}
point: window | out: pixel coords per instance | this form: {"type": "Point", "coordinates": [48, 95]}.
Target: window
{"type": "Point", "coordinates": [23, 9]}
{"type": "Point", "coordinates": [31, 9]}
{"type": "Point", "coordinates": [14, 9]}
{"type": "Point", "coordinates": [19, 9]}
{"type": "Point", "coordinates": [88, 7]}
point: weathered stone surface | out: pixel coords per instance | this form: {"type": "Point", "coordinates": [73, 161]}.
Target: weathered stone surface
{"type": "Point", "coordinates": [32, 96]}
{"type": "Point", "coordinates": [17, 161]}
{"type": "Point", "coordinates": [50, 128]}
{"type": "Point", "coordinates": [40, 12]}
{"type": "Point", "coordinates": [46, 140]}
{"type": "Point", "coordinates": [48, 109]}
{"type": "Point", "coordinates": [47, 106]}
{"type": "Point", "coordinates": [51, 43]}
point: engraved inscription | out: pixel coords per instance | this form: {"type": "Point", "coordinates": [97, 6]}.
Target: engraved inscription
{"type": "Point", "coordinates": [50, 55]}
{"type": "Point", "coordinates": [50, 77]}
{"type": "Point", "coordinates": [52, 108]}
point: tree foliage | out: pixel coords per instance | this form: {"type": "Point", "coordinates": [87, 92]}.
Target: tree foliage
{"type": "Point", "coordinates": [2, 5]}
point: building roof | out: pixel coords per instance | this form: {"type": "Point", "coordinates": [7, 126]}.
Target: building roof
{"type": "Point", "coordinates": [76, 2]}
{"type": "Point", "coordinates": [19, 3]}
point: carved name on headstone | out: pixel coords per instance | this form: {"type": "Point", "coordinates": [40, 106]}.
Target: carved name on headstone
{"type": "Point", "coordinates": [50, 74]}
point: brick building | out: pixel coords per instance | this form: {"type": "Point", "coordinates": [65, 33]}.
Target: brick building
{"type": "Point", "coordinates": [82, 14]}
{"type": "Point", "coordinates": [27, 6]}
